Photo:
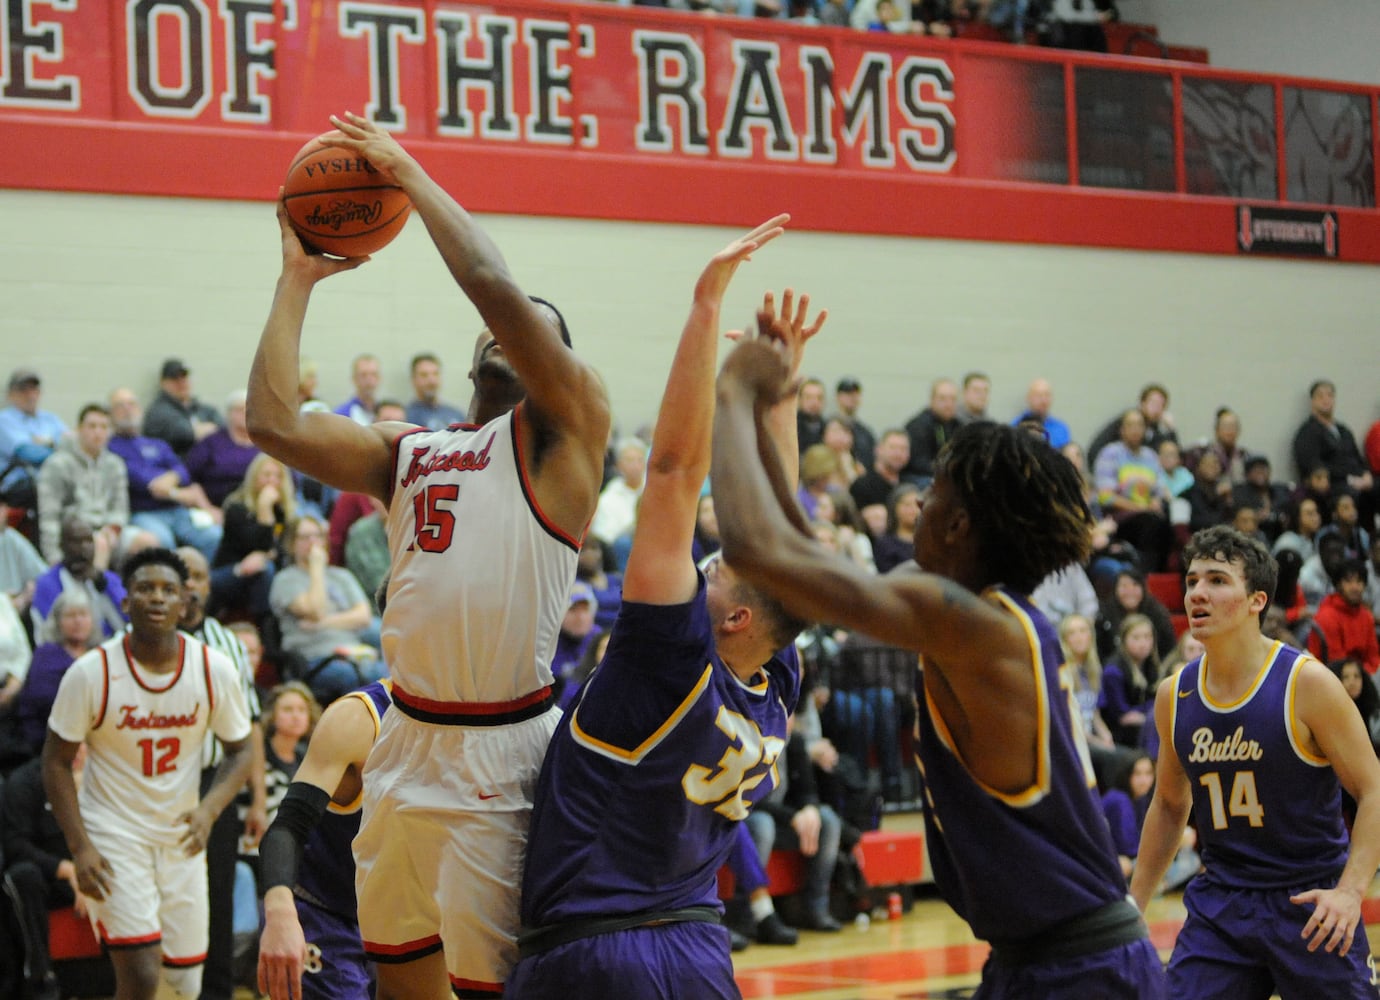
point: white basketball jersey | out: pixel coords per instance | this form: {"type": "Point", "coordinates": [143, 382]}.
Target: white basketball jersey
{"type": "Point", "coordinates": [480, 577]}
{"type": "Point", "coordinates": [144, 732]}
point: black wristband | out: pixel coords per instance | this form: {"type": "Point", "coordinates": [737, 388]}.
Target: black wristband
{"type": "Point", "coordinates": [280, 851]}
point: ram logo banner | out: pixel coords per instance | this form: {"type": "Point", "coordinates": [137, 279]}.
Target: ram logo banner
{"type": "Point", "coordinates": [1289, 231]}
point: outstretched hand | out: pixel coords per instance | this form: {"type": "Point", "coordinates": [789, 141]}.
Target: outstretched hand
{"type": "Point", "coordinates": [360, 135]}
{"type": "Point", "coordinates": [787, 330]}
{"type": "Point", "coordinates": [719, 272]}
{"type": "Point", "coordinates": [310, 265]}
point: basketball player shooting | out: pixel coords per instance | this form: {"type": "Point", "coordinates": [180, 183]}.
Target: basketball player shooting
{"type": "Point", "coordinates": [472, 612]}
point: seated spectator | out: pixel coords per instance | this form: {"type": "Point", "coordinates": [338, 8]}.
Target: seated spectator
{"type": "Point", "coordinates": [1270, 500]}
{"type": "Point", "coordinates": [1185, 651]}
{"type": "Point", "coordinates": [1066, 592]}
{"type": "Point", "coordinates": [1176, 475]}
{"type": "Point", "coordinates": [1125, 807]}
{"type": "Point", "coordinates": [1131, 487]}
{"type": "Point", "coordinates": [837, 509]}
{"type": "Point", "coordinates": [589, 661]}
{"type": "Point", "coordinates": [1317, 573]}
{"type": "Point", "coordinates": [792, 818]}
{"type": "Point", "coordinates": [1345, 523]}
{"type": "Point", "coordinates": [324, 615]}
{"type": "Point", "coordinates": [1127, 680]}
{"type": "Point", "coordinates": [427, 410]}
{"type": "Point", "coordinates": [218, 462]}
{"type": "Point", "coordinates": [707, 540]}
{"type": "Point", "coordinates": [28, 436]}
{"type": "Point", "coordinates": [902, 515]}
{"type": "Point", "coordinates": [1129, 597]}
{"type": "Point", "coordinates": [20, 563]}
{"type": "Point", "coordinates": [871, 15]}
{"type": "Point", "coordinates": [364, 374]}
{"type": "Point", "coordinates": [972, 403]}
{"type": "Point", "coordinates": [838, 436]}
{"type": "Point", "coordinates": [578, 633]}
{"type": "Point", "coordinates": [834, 14]}
{"type": "Point", "coordinates": [1209, 499]}
{"type": "Point", "coordinates": [1361, 689]}
{"type": "Point", "coordinates": [176, 416]}
{"type": "Point", "coordinates": [83, 478]}
{"type": "Point", "coordinates": [257, 516]}
{"type": "Point", "coordinates": [75, 633]}
{"type": "Point", "coordinates": [1082, 672]}
{"type": "Point", "coordinates": [80, 570]}
{"type": "Point", "coordinates": [15, 654]}
{"type": "Point", "coordinates": [848, 399]}
{"type": "Point", "coordinates": [1039, 399]}
{"type": "Point", "coordinates": [819, 473]}
{"type": "Point", "coordinates": [1247, 521]}
{"type": "Point", "coordinates": [1343, 626]}
{"type": "Point", "coordinates": [1226, 431]}
{"type": "Point", "coordinates": [366, 550]}
{"type": "Point", "coordinates": [1316, 486]}
{"type": "Point", "coordinates": [347, 508]}
{"type": "Point", "coordinates": [809, 414]}
{"type": "Point", "coordinates": [163, 500]}
{"type": "Point", "coordinates": [872, 489]}
{"type": "Point", "coordinates": [931, 429]}
{"type": "Point", "coordinates": [39, 874]}
{"type": "Point", "coordinates": [291, 712]}
{"type": "Point", "coordinates": [1159, 425]}
{"type": "Point", "coordinates": [616, 512]}
{"type": "Point", "coordinates": [1303, 521]}
{"type": "Point", "coordinates": [595, 567]}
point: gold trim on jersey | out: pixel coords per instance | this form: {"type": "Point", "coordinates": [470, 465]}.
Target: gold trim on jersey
{"type": "Point", "coordinates": [357, 802]}
{"type": "Point", "coordinates": [1291, 714]}
{"type": "Point", "coordinates": [1033, 794]}
{"type": "Point", "coordinates": [635, 755]}
{"type": "Point", "coordinates": [1260, 676]}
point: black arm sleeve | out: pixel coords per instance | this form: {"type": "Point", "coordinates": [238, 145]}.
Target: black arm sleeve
{"type": "Point", "coordinates": [280, 852]}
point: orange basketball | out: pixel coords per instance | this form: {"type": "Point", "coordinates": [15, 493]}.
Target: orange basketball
{"type": "Point", "coordinates": [339, 204]}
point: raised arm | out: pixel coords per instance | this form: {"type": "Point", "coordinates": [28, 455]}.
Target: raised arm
{"type": "Point", "coordinates": [659, 569]}
{"type": "Point", "coordinates": [565, 398]}
{"type": "Point", "coordinates": [338, 747]}
{"type": "Point", "coordinates": [326, 446]}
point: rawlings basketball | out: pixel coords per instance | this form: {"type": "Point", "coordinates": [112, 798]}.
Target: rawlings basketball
{"type": "Point", "coordinates": [339, 204]}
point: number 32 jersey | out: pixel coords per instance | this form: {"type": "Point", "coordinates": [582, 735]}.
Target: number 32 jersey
{"type": "Point", "coordinates": [144, 733]}
{"type": "Point", "coordinates": [1269, 811]}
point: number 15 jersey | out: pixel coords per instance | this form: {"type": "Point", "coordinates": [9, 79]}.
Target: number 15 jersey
{"type": "Point", "coordinates": [480, 577]}
{"type": "Point", "coordinates": [1269, 812]}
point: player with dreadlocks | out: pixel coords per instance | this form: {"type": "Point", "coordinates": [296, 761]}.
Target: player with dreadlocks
{"type": "Point", "coordinates": [1015, 836]}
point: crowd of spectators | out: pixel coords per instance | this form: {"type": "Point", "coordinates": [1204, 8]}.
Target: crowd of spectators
{"type": "Point", "coordinates": [294, 568]}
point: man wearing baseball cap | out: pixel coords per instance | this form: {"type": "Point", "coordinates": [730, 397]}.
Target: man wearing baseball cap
{"type": "Point", "coordinates": [27, 437]}
{"type": "Point", "coordinates": [177, 416]}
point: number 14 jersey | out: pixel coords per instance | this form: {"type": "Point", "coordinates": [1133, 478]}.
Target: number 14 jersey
{"type": "Point", "coordinates": [1269, 811]}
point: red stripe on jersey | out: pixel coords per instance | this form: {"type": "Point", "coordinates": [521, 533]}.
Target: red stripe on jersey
{"type": "Point", "coordinates": [468, 707]}
{"type": "Point", "coordinates": [184, 963]}
{"type": "Point", "coordinates": [527, 492]}
{"type": "Point", "coordinates": [393, 462]}
{"type": "Point", "coordinates": [105, 688]}
{"type": "Point", "coordinates": [407, 947]}
{"type": "Point", "coordinates": [210, 691]}
{"type": "Point", "coordinates": [134, 670]}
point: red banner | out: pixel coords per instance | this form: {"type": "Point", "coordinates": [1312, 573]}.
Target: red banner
{"type": "Point", "coordinates": [605, 111]}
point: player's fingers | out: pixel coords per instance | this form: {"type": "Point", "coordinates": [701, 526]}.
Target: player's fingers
{"type": "Point", "coordinates": [787, 303]}
{"type": "Point", "coordinates": [817, 325]}
{"type": "Point", "coordinates": [801, 311]}
{"type": "Point", "coordinates": [294, 980]}
{"type": "Point", "coordinates": [263, 977]}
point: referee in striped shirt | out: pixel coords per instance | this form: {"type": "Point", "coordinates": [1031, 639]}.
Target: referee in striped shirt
{"type": "Point", "coordinates": [222, 847]}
